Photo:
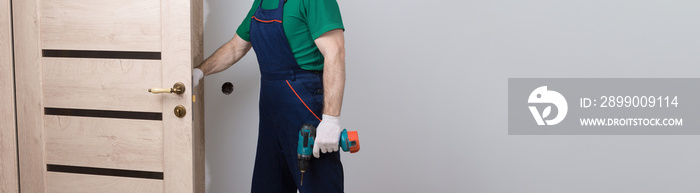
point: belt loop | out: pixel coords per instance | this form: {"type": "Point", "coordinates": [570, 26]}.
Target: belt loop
{"type": "Point", "coordinates": [292, 76]}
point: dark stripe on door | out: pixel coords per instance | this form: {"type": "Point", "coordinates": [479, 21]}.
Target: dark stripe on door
{"type": "Point", "coordinates": [101, 54]}
{"type": "Point", "coordinates": [104, 171]}
{"type": "Point", "coordinates": [104, 113]}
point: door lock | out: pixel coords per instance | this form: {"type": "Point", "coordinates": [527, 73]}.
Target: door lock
{"type": "Point", "coordinates": [180, 111]}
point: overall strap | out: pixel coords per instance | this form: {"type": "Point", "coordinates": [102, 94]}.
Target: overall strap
{"type": "Point", "coordinates": [280, 5]}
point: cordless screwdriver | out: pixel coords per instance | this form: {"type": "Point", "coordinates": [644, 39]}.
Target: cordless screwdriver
{"type": "Point", "coordinates": [349, 142]}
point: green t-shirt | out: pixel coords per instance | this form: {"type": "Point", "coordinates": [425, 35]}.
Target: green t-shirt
{"type": "Point", "coordinates": [303, 22]}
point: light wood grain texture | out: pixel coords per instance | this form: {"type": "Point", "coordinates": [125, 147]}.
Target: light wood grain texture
{"type": "Point", "coordinates": [79, 183]}
{"type": "Point", "coordinates": [29, 101]}
{"type": "Point", "coordinates": [177, 67]}
{"type": "Point", "coordinates": [108, 84]}
{"type": "Point", "coordinates": [131, 25]}
{"type": "Point", "coordinates": [197, 42]}
{"type": "Point", "coordinates": [198, 125]}
{"type": "Point", "coordinates": [104, 143]}
{"type": "Point", "coordinates": [8, 148]}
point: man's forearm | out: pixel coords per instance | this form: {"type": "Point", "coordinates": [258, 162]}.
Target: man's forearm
{"type": "Point", "coordinates": [225, 56]}
{"type": "Point", "coordinates": [332, 46]}
{"type": "Point", "coordinates": [333, 83]}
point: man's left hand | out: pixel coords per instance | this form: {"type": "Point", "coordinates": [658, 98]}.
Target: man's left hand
{"type": "Point", "coordinates": [327, 135]}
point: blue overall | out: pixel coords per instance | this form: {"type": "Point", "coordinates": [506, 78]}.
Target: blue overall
{"type": "Point", "coordinates": [289, 98]}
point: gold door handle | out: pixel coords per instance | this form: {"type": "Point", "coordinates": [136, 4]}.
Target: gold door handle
{"type": "Point", "coordinates": [178, 88]}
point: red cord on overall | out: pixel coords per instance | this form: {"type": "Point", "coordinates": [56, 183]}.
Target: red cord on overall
{"type": "Point", "coordinates": [302, 100]}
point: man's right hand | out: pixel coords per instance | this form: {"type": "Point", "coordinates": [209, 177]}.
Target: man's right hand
{"type": "Point", "coordinates": [197, 75]}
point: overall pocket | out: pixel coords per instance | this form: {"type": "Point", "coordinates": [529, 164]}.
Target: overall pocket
{"type": "Point", "coordinates": [310, 94]}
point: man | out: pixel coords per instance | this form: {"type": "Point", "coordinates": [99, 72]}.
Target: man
{"type": "Point", "coordinates": [300, 49]}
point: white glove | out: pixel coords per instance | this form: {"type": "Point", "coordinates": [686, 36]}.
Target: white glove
{"type": "Point", "coordinates": [327, 135]}
{"type": "Point", "coordinates": [197, 75]}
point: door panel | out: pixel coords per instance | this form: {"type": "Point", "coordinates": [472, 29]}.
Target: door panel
{"type": "Point", "coordinates": [8, 148]}
{"type": "Point", "coordinates": [88, 122]}
{"type": "Point", "coordinates": [101, 25]}
{"type": "Point", "coordinates": [28, 87]}
{"type": "Point", "coordinates": [104, 143]}
{"type": "Point", "coordinates": [109, 84]}
{"type": "Point", "coordinates": [76, 183]}
{"type": "Point", "coordinates": [181, 49]}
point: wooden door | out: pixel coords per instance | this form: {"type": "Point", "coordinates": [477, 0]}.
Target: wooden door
{"type": "Point", "coordinates": [86, 121]}
{"type": "Point", "coordinates": [8, 149]}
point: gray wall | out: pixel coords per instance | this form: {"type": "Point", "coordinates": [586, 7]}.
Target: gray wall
{"type": "Point", "coordinates": [427, 90]}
